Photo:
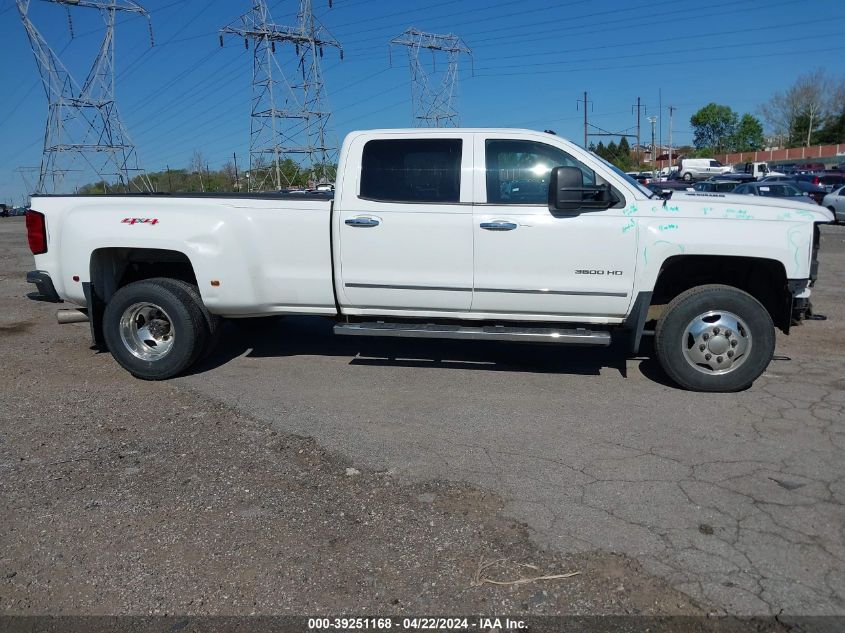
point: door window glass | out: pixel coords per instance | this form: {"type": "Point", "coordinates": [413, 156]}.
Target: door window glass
{"type": "Point", "coordinates": [412, 170]}
{"type": "Point", "coordinates": [518, 171]}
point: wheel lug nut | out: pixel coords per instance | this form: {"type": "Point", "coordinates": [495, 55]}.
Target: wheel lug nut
{"type": "Point", "coordinates": [706, 336]}
{"type": "Point", "coordinates": [718, 359]}
{"type": "Point", "coordinates": [708, 356]}
{"type": "Point", "coordinates": [715, 330]}
{"type": "Point", "coordinates": [728, 332]}
{"type": "Point", "coordinates": [730, 353]}
{"type": "Point", "coordinates": [733, 343]}
{"type": "Point", "coordinates": [702, 347]}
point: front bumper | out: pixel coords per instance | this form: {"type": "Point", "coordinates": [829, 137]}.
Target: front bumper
{"type": "Point", "coordinates": [46, 290]}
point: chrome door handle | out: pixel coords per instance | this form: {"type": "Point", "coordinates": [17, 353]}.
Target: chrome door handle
{"type": "Point", "coordinates": [362, 222]}
{"type": "Point", "coordinates": [498, 226]}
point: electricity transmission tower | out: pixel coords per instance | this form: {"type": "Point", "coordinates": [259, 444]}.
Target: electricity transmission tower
{"type": "Point", "coordinates": [434, 99]}
{"type": "Point", "coordinates": [83, 124]}
{"type": "Point", "coordinates": [289, 113]}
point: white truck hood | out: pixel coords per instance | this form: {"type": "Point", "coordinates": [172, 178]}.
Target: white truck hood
{"type": "Point", "coordinates": [764, 208]}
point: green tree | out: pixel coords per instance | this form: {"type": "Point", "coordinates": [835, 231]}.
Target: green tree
{"type": "Point", "coordinates": [713, 127]}
{"type": "Point", "coordinates": [748, 135]}
{"type": "Point", "coordinates": [601, 150]}
{"type": "Point", "coordinates": [833, 130]}
{"type": "Point", "coordinates": [623, 155]}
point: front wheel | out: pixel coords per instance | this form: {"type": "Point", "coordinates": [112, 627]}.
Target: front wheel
{"type": "Point", "coordinates": [687, 177]}
{"type": "Point", "coordinates": [715, 338]}
{"type": "Point", "coordinates": [155, 328]}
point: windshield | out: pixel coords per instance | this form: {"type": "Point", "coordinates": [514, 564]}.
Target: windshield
{"type": "Point", "coordinates": [648, 193]}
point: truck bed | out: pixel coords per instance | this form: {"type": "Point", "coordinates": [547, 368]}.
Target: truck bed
{"type": "Point", "coordinates": [265, 253]}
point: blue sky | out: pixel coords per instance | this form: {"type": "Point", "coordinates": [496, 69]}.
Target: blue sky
{"type": "Point", "coordinates": [532, 61]}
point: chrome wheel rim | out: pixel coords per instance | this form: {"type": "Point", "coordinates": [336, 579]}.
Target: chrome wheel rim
{"type": "Point", "coordinates": [716, 342]}
{"type": "Point", "coordinates": [147, 331]}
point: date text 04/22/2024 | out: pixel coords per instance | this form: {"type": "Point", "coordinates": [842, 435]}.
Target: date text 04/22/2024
{"type": "Point", "coordinates": [420, 623]}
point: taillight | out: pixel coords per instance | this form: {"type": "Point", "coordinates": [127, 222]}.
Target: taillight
{"type": "Point", "coordinates": [815, 180]}
{"type": "Point", "coordinates": [36, 232]}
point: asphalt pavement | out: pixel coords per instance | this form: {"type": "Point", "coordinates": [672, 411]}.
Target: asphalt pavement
{"type": "Point", "coordinates": [736, 499]}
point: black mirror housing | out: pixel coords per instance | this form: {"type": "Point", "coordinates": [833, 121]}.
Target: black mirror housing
{"type": "Point", "coordinates": [568, 193]}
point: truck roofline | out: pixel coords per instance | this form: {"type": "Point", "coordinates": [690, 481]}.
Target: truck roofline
{"type": "Point", "coordinates": [271, 195]}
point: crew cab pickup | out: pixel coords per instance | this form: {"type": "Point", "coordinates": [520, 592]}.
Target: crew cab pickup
{"type": "Point", "coordinates": [493, 234]}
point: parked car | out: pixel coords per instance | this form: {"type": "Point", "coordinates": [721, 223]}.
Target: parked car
{"type": "Point", "coordinates": [784, 168]}
{"type": "Point", "coordinates": [659, 187]}
{"type": "Point", "coordinates": [835, 202]}
{"type": "Point", "coordinates": [4, 211]}
{"type": "Point", "coordinates": [716, 185]}
{"type": "Point", "coordinates": [409, 248]}
{"type": "Point", "coordinates": [700, 168]}
{"type": "Point", "coordinates": [809, 168]}
{"type": "Point", "coordinates": [831, 180]}
{"type": "Point", "coordinates": [770, 190]}
{"type": "Point", "coordinates": [804, 182]}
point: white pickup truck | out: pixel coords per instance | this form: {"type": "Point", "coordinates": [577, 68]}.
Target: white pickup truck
{"type": "Point", "coordinates": [493, 234]}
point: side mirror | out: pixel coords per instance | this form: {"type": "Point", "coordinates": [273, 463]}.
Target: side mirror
{"type": "Point", "coordinates": [567, 192]}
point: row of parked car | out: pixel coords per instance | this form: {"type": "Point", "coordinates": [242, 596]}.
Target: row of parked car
{"type": "Point", "coordinates": [7, 211]}
{"type": "Point", "coordinates": [797, 186]}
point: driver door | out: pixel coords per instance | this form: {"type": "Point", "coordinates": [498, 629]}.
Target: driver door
{"type": "Point", "coordinates": [529, 261]}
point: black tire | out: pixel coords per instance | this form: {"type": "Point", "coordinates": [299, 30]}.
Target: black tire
{"type": "Point", "coordinates": [185, 314]}
{"type": "Point", "coordinates": [687, 177]}
{"type": "Point", "coordinates": [214, 323]}
{"type": "Point", "coordinates": [672, 341]}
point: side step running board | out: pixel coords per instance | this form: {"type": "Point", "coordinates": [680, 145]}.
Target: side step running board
{"type": "Point", "coordinates": [575, 336]}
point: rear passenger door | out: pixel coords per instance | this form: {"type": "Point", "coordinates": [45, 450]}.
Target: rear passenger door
{"type": "Point", "coordinates": [404, 226]}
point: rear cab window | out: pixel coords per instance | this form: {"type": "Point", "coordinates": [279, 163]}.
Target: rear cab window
{"type": "Point", "coordinates": [412, 170]}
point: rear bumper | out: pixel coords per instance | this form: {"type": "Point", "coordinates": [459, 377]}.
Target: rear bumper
{"type": "Point", "coordinates": [46, 290]}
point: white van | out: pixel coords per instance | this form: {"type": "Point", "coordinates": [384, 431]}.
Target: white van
{"type": "Point", "coordinates": [700, 168]}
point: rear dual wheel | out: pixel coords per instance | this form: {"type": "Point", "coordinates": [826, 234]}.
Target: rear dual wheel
{"type": "Point", "coordinates": [715, 338]}
{"type": "Point", "coordinates": [157, 328]}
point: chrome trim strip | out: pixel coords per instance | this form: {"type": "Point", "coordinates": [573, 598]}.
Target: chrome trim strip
{"type": "Point", "coordinates": [404, 287]}
{"type": "Point", "coordinates": [578, 293]}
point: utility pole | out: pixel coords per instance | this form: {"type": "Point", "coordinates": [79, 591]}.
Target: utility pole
{"type": "Point", "coordinates": [83, 125]}
{"type": "Point", "coordinates": [653, 121]}
{"type": "Point", "coordinates": [237, 180]}
{"type": "Point", "coordinates": [289, 116]}
{"type": "Point", "coordinates": [660, 115]}
{"type": "Point", "coordinates": [639, 150]}
{"type": "Point", "coordinates": [586, 125]}
{"type": "Point", "coordinates": [671, 110]}
{"type": "Point", "coordinates": [434, 101]}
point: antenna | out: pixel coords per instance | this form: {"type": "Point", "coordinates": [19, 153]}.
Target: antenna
{"type": "Point", "coordinates": [83, 121]}
{"type": "Point", "coordinates": [434, 103]}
